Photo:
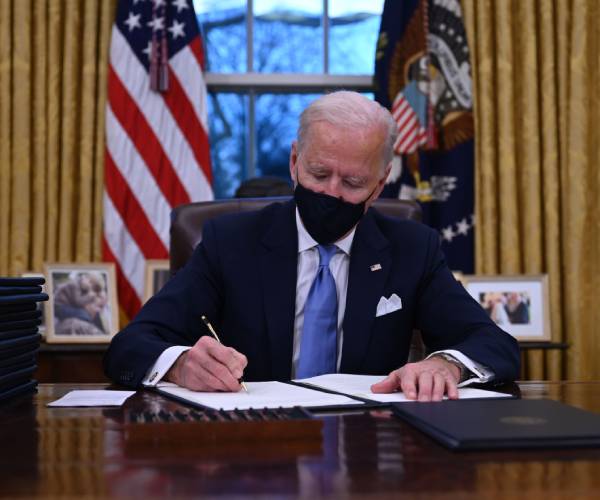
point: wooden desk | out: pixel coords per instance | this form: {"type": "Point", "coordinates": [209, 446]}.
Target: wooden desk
{"type": "Point", "coordinates": [49, 453]}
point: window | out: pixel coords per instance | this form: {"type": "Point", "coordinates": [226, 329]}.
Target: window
{"type": "Point", "coordinates": [266, 60]}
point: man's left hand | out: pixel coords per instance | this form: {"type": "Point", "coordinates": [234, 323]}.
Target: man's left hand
{"type": "Point", "coordinates": [427, 380]}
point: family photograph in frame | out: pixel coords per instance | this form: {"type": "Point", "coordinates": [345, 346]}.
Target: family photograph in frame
{"type": "Point", "coordinates": [519, 304]}
{"type": "Point", "coordinates": [82, 305]}
{"type": "Point", "coordinates": [156, 275]}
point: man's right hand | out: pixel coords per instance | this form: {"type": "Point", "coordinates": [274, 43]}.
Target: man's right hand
{"type": "Point", "coordinates": [208, 366]}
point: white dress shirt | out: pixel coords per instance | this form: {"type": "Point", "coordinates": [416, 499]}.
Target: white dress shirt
{"type": "Point", "coordinates": [308, 265]}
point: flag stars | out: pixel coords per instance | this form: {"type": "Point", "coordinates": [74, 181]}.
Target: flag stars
{"type": "Point", "coordinates": [462, 226]}
{"type": "Point", "coordinates": [448, 234]}
{"type": "Point", "coordinates": [177, 29]}
{"type": "Point", "coordinates": [148, 50]}
{"type": "Point", "coordinates": [133, 21]}
{"type": "Point", "coordinates": [180, 4]}
{"type": "Point", "coordinates": [157, 23]}
{"type": "Point", "coordinates": [159, 3]}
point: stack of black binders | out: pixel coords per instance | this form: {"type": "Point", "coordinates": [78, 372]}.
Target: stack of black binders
{"type": "Point", "coordinates": [19, 334]}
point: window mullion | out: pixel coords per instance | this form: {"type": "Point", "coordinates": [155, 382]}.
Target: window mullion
{"type": "Point", "coordinates": [251, 137]}
{"type": "Point", "coordinates": [251, 145]}
{"type": "Point", "coordinates": [250, 36]}
{"type": "Point", "coordinates": [326, 36]}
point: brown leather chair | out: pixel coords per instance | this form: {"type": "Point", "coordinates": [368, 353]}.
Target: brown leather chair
{"type": "Point", "coordinates": [187, 222]}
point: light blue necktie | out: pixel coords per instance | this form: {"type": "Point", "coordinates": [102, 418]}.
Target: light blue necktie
{"type": "Point", "coordinates": [318, 348]}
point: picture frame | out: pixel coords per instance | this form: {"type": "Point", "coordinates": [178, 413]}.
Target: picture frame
{"type": "Point", "coordinates": [156, 274]}
{"type": "Point", "coordinates": [519, 304]}
{"type": "Point", "coordinates": [40, 306]}
{"type": "Point", "coordinates": [459, 276]}
{"type": "Point", "coordinates": [82, 305]}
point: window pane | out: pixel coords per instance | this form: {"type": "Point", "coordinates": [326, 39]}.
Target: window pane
{"type": "Point", "coordinates": [353, 32]}
{"type": "Point", "coordinates": [228, 128]}
{"type": "Point", "coordinates": [223, 25]}
{"type": "Point", "coordinates": [288, 36]}
{"type": "Point", "coordinates": [276, 126]}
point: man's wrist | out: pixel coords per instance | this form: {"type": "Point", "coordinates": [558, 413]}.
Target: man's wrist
{"type": "Point", "coordinates": [174, 374]}
{"type": "Point", "coordinates": [463, 372]}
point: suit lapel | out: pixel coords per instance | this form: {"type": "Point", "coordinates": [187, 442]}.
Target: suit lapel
{"type": "Point", "coordinates": [279, 262]}
{"type": "Point", "coordinates": [365, 288]}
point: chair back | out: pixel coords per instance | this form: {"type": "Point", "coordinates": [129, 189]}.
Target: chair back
{"type": "Point", "coordinates": [188, 220]}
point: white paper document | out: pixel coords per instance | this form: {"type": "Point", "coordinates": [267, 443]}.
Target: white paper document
{"type": "Point", "coordinates": [260, 395]}
{"type": "Point", "coordinates": [360, 386]}
{"type": "Point", "coordinates": [92, 398]}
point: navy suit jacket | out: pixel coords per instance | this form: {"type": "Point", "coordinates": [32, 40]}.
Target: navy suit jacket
{"type": "Point", "coordinates": [242, 276]}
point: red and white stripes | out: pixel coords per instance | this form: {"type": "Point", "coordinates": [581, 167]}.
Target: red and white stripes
{"type": "Point", "coordinates": [411, 133]}
{"type": "Point", "coordinates": [157, 157]}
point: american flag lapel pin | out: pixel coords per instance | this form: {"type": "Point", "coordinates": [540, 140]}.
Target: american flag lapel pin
{"type": "Point", "coordinates": [376, 267]}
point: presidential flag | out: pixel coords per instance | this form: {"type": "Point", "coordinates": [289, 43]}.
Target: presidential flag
{"type": "Point", "coordinates": [157, 151]}
{"type": "Point", "coordinates": [422, 74]}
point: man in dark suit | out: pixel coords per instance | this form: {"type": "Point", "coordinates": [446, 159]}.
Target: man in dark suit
{"type": "Point", "coordinates": [320, 284]}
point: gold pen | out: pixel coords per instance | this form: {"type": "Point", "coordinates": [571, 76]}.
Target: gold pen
{"type": "Point", "coordinates": [214, 334]}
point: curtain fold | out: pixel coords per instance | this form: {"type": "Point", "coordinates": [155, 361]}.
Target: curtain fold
{"type": "Point", "coordinates": [537, 87]}
{"type": "Point", "coordinates": [53, 60]}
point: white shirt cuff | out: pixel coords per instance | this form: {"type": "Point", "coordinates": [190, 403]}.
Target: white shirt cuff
{"type": "Point", "coordinates": [162, 364]}
{"type": "Point", "coordinates": [480, 373]}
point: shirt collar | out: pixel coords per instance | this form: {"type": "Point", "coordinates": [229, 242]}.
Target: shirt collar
{"type": "Point", "coordinates": [306, 241]}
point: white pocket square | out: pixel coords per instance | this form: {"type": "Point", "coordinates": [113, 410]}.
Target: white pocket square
{"type": "Point", "coordinates": [387, 306]}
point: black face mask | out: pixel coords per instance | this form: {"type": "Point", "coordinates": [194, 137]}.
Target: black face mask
{"type": "Point", "coordinates": [325, 217]}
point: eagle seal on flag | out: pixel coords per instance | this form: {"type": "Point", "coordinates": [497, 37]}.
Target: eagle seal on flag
{"type": "Point", "coordinates": [423, 76]}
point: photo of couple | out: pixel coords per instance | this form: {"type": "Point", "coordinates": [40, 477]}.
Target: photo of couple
{"type": "Point", "coordinates": [507, 308]}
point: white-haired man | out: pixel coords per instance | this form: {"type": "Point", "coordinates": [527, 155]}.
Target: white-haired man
{"type": "Point", "coordinates": [296, 289]}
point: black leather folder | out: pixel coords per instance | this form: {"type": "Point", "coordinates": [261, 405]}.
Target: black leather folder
{"type": "Point", "coordinates": [14, 308]}
{"type": "Point", "coordinates": [26, 298]}
{"type": "Point", "coordinates": [13, 347]}
{"type": "Point", "coordinates": [22, 332]}
{"type": "Point", "coordinates": [489, 424]}
{"type": "Point", "coordinates": [25, 388]}
{"type": "Point", "coordinates": [19, 315]}
{"type": "Point", "coordinates": [19, 325]}
{"type": "Point", "coordinates": [18, 377]}
{"type": "Point", "coordinates": [19, 290]}
{"type": "Point", "coordinates": [26, 356]}
{"type": "Point", "coordinates": [16, 367]}
{"type": "Point", "coordinates": [22, 281]}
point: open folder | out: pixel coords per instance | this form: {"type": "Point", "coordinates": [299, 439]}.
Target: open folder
{"type": "Point", "coordinates": [326, 391]}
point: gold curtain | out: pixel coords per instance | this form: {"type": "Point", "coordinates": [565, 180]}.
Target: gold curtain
{"type": "Point", "coordinates": [53, 64]}
{"type": "Point", "coordinates": [535, 66]}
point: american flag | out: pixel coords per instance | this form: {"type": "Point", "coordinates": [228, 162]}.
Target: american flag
{"type": "Point", "coordinates": [157, 151]}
